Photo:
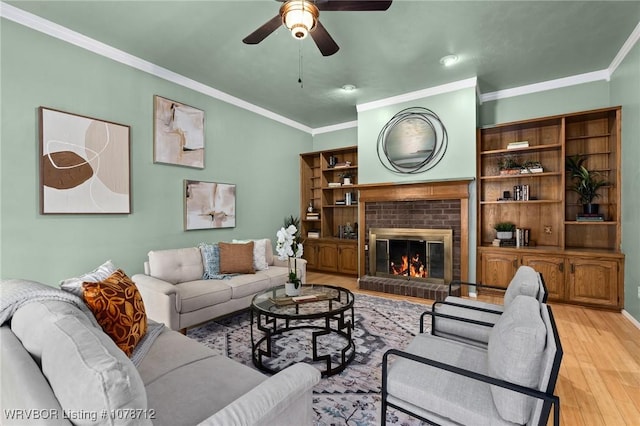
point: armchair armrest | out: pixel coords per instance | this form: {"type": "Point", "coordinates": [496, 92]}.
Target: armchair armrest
{"type": "Point", "coordinates": [477, 285]}
{"type": "Point", "coordinates": [161, 299]}
{"type": "Point", "coordinates": [549, 399]}
{"type": "Point", "coordinates": [466, 306]}
{"type": "Point", "coordinates": [434, 315]}
{"type": "Point", "coordinates": [283, 399]}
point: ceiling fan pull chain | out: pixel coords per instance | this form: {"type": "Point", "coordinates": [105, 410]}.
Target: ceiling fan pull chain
{"type": "Point", "coordinates": [300, 65]}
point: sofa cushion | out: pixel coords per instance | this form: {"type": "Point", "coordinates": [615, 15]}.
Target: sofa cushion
{"type": "Point", "coordinates": [74, 285]}
{"type": "Point", "coordinates": [85, 369]}
{"type": "Point", "coordinates": [236, 258]}
{"type": "Point", "coordinates": [260, 262]}
{"type": "Point", "coordinates": [525, 282]}
{"type": "Point", "coordinates": [118, 308]}
{"type": "Point", "coordinates": [210, 261]}
{"type": "Point", "coordinates": [176, 265]}
{"type": "Point", "coordinates": [458, 399]}
{"type": "Point", "coordinates": [245, 284]}
{"type": "Point", "coordinates": [514, 354]}
{"type": "Point", "coordinates": [200, 294]}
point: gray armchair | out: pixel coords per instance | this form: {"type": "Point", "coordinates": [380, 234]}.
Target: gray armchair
{"type": "Point", "coordinates": [510, 381]}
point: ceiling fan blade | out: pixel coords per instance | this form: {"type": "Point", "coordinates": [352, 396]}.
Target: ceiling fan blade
{"type": "Point", "coordinates": [261, 33]}
{"type": "Point", "coordinates": [324, 41]}
{"type": "Point", "coordinates": [353, 5]}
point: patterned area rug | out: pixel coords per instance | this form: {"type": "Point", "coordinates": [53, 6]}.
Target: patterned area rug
{"type": "Point", "coordinates": [351, 397]}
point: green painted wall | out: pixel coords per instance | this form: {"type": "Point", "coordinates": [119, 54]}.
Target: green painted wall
{"type": "Point", "coordinates": [581, 97]}
{"type": "Point", "coordinates": [257, 154]}
{"type": "Point", "coordinates": [335, 139]}
{"type": "Point", "coordinates": [625, 91]}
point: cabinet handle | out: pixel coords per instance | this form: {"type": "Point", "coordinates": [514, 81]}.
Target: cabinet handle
{"type": "Point", "coordinates": [561, 267]}
{"type": "Point", "coordinates": [573, 268]}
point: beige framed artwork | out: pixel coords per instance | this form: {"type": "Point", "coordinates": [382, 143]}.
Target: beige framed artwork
{"type": "Point", "coordinates": [209, 205]}
{"type": "Point", "coordinates": [84, 164]}
{"type": "Point", "coordinates": [178, 133]}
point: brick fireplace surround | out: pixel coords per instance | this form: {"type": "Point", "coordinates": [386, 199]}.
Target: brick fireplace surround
{"type": "Point", "coordinates": [435, 205]}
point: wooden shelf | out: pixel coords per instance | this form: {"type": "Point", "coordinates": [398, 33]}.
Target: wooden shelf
{"type": "Point", "coordinates": [581, 261]}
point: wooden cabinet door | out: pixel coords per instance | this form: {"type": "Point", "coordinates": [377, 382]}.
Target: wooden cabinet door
{"type": "Point", "coordinates": [328, 257]}
{"type": "Point", "coordinates": [310, 254]}
{"type": "Point", "coordinates": [498, 268]}
{"type": "Point", "coordinates": [348, 259]}
{"type": "Point", "coordinates": [552, 270]}
{"type": "Point", "coordinates": [593, 281]}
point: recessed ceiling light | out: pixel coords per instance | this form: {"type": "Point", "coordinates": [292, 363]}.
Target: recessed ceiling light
{"type": "Point", "coordinates": [348, 87]}
{"type": "Point", "coordinates": [448, 60]}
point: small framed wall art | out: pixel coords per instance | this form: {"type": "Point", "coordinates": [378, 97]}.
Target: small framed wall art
{"type": "Point", "coordinates": [178, 133]}
{"type": "Point", "coordinates": [209, 205]}
{"type": "Point", "coordinates": [84, 164]}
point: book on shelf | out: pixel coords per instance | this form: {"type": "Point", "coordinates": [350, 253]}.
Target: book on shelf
{"type": "Point", "coordinates": [313, 234]}
{"type": "Point", "coordinates": [504, 243]}
{"type": "Point", "coordinates": [590, 218]}
{"type": "Point", "coordinates": [529, 170]}
{"type": "Point", "coordinates": [522, 237]}
{"type": "Point", "coordinates": [334, 184]}
{"type": "Point", "coordinates": [342, 165]}
{"type": "Point", "coordinates": [519, 144]}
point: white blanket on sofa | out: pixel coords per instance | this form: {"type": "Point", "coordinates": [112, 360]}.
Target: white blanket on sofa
{"type": "Point", "coordinates": [15, 293]}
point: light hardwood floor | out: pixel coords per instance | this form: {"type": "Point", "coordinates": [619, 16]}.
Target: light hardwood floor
{"type": "Point", "coordinates": [599, 381]}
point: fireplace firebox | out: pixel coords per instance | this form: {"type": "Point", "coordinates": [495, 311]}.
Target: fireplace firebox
{"type": "Point", "coordinates": [411, 254]}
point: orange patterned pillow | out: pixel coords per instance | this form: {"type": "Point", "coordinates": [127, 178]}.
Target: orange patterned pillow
{"type": "Point", "coordinates": [118, 308]}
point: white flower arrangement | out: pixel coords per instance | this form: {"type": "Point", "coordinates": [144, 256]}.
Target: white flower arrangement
{"type": "Point", "coordinates": [288, 246]}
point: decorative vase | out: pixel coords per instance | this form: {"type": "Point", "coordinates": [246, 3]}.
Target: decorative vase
{"type": "Point", "coordinates": [291, 290]}
{"type": "Point", "coordinates": [590, 208]}
{"type": "Point", "coordinates": [504, 235]}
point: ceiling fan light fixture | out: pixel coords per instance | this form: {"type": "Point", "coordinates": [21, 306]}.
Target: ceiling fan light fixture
{"type": "Point", "coordinates": [300, 17]}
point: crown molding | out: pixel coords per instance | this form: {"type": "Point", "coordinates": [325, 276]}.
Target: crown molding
{"type": "Point", "coordinates": [546, 85]}
{"type": "Point", "coordinates": [334, 127]}
{"type": "Point", "coordinates": [424, 93]}
{"type": "Point", "coordinates": [65, 34]}
{"type": "Point", "coordinates": [625, 49]}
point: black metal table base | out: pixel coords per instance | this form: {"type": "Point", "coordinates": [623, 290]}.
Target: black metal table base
{"type": "Point", "coordinates": [272, 327]}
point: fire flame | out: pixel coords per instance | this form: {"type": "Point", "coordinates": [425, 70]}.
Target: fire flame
{"type": "Point", "coordinates": [415, 268]}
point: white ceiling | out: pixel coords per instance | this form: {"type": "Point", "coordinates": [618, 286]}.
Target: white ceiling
{"type": "Point", "coordinates": [505, 44]}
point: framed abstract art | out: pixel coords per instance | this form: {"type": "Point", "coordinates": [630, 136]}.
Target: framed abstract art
{"type": "Point", "coordinates": [178, 133]}
{"type": "Point", "coordinates": [209, 205]}
{"type": "Point", "coordinates": [84, 164]}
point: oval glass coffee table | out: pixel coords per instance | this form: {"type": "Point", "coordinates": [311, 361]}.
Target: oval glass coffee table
{"type": "Point", "coordinates": [284, 325]}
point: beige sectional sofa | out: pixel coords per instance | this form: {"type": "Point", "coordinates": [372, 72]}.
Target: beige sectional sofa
{"type": "Point", "coordinates": [175, 293]}
{"type": "Point", "coordinates": [58, 367]}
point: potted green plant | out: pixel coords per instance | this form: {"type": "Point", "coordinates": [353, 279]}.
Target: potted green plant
{"type": "Point", "coordinates": [586, 183]}
{"type": "Point", "coordinates": [509, 164]}
{"type": "Point", "coordinates": [504, 230]}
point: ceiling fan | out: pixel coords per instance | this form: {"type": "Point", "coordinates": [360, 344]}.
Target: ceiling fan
{"type": "Point", "coordinates": [301, 17]}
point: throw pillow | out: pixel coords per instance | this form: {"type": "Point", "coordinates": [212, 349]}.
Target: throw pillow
{"type": "Point", "coordinates": [118, 308]}
{"type": "Point", "coordinates": [259, 253]}
{"type": "Point", "coordinates": [236, 258]}
{"type": "Point", "coordinates": [74, 285]}
{"type": "Point", "coordinates": [211, 261]}
{"type": "Point", "coordinates": [514, 354]}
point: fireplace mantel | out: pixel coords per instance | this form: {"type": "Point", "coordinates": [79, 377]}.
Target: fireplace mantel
{"type": "Point", "coordinates": [430, 190]}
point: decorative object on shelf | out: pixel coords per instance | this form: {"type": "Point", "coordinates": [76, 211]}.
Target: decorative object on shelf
{"type": "Point", "coordinates": [288, 246]}
{"type": "Point", "coordinates": [310, 207]}
{"type": "Point", "coordinates": [333, 160]}
{"type": "Point", "coordinates": [518, 145]}
{"type": "Point", "coordinates": [178, 134]}
{"type": "Point", "coordinates": [85, 164]}
{"type": "Point", "coordinates": [413, 141]}
{"type": "Point", "coordinates": [509, 164]}
{"type": "Point", "coordinates": [209, 205]}
{"type": "Point", "coordinates": [504, 230]}
{"type": "Point", "coordinates": [531, 167]}
{"type": "Point", "coordinates": [586, 183]}
{"type": "Point", "coordinates": [346, 178]}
